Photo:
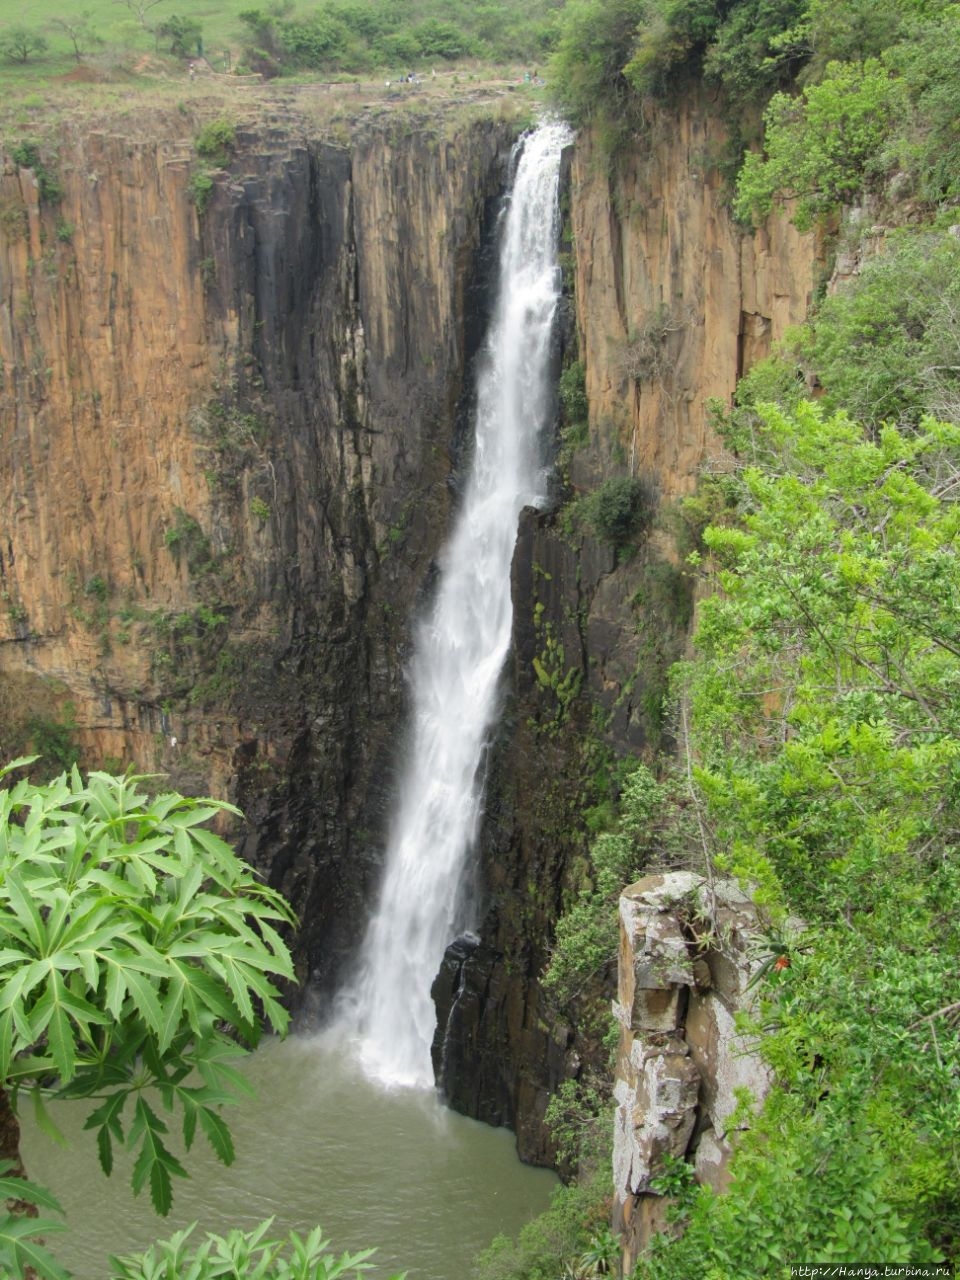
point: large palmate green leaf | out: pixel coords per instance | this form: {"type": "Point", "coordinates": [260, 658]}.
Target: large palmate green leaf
{"type": "Point", "coordinates": [138, 955]}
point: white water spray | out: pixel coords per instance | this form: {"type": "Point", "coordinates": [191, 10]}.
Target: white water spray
{"type": "Point", "coordinates": [460, 647]}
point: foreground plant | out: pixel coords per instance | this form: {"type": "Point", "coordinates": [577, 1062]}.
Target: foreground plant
{"type": "Point", "coordinates": [251, 1254]}
{"type": "Point", "coordinates": [136, 954]}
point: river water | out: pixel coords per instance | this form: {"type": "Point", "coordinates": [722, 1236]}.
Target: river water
{"type": "Point", "coordinates": [319, 1144]}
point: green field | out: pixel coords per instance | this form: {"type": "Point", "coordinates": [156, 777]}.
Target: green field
{"type": "Point", "coordinates": [116, 26]}
{"type": "Point", "coordinates": [106, 39]}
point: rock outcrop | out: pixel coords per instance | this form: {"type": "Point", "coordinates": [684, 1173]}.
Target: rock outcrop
{"type": "Point", "coordinates": [688, 951]}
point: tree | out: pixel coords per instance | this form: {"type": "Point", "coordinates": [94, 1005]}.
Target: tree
{"type": "Point", "coordinates": [136, 951]}
{"type": "Point", "coordinates": [140, 9]}
{"type": "Point", "coordinates": [19, 43]}
{"type": "Point", "coordinates": [183, 33]}
{"type": "Point", "coordinates": [79, 32]}
{"type": "Point", "coordinates": [587, 69]}
{"type": "Point", "coordinates": [821, 148]}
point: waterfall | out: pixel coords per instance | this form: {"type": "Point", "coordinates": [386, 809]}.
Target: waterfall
{"type": "Point", "coordinates": [461, 644]}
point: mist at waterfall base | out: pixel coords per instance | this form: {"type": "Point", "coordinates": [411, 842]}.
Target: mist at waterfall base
{"type": "Point", "coordinates": [461, 644]}
{"type": "Point", "coordinates": [317, 1144]}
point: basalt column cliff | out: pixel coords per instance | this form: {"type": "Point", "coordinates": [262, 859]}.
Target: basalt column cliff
{"type": "Point", "coordinates": [227, 441]}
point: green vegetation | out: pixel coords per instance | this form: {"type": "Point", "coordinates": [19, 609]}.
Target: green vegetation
{"type": "Point", "coordinates": [573, 394]}
{"type": "Point", "coordinates": [555, 1243]}
{"type": "Point", "coordinates": [214, 144]}
{"type": "Point", "coordinates": [185, 538]}
{"type": "Point", "coordinates": [243, 1253]}
{"type": "Point", "coordinates": [184, 35]}
{"type": "Point", "coordinates": [587, 72]}
{"type": "Point", "coordinates": [881, 110]}
{"type": "Point", "coordinates": [342, 35]}
{"type": "Point", "coordinates": [885, 346]}
{"type": "Point", "coordinates": [618, 512]}
{"type": "Point", "coordinates": [20, 44]}
{"type": "Point", "coordinates": [131, 940]}
{"type": "Point", "coordinates": [824, 732]}
{"type": "Point", "coordinates": [216, 140]}
{"type": "Point", "coordinates": [53, 739]}
{"type": "Point", "coordinates": [823, 148]}
{"type": "Point", "coordinates": [586, 941]}
{"type": "Point", "coordinates": [879, 83]}
{"type": "Point", "coordinates": [332, 38]}
{"type": "Point", "coordinates": [27, 154]}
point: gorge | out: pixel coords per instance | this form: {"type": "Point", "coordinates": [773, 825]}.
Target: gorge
{"type": "Point", "coordinates": [231, 437]}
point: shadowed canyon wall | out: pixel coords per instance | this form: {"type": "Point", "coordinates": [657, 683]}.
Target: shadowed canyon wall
{"type": "Point", "coordinates": [227, 441]}
{"type": "Point", "coordinates": [228, 445]}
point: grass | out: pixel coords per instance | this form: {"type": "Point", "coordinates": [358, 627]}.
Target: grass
{"type": "Point", "coordinates": [124, 81]}
{"type": "Point", "coordinates": [125, 39]}
{"type": "Point", "coordinates": [128, 93]}
{"type": "Point", "coordinates": [118, 27]}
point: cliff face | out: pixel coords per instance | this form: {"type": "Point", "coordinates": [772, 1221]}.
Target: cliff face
{"type": "Point", "coordinates": [674, 300]}
{"type": "Point", "coordinates": [226, 448]}
{"type": "Point", "coordinates": [672, 303]}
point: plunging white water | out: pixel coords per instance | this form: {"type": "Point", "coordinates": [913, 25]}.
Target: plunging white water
{"type": "Point", "coordinates": [461, 645]}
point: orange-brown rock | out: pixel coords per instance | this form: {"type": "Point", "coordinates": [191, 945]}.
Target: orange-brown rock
{"type": "Point", "coordinates": [226, 449]}
{"type": "Point", "coordinates": [674, 300]}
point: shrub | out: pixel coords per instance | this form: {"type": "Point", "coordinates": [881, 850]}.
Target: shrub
{"type": "Point", "coordinates": [553, 1243]}
{"type": "Point", "coordinates": [587, 71]}
{"type": "Point", "coordinates": [216, 140]}
{"type": "Point", "coordinates": [573, 393]}
{"type": "Point", "coordinates": [822, 148]}
{"type": "Point", "coordinates": [20, 44]}
{"type": "Point", "coordinates": [758, 48]}
{"type": "Point", "coordinates": [885, 346]}
{"type": "Point", "coordinates": [184, 34]}
{"type": "Point", "coordinates": [201, 188]}
{"type": "Point", "coordinates": [620, 509]}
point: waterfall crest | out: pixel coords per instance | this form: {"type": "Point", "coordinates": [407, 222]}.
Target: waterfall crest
{"type": "Point", "coordinates": [461, 644]}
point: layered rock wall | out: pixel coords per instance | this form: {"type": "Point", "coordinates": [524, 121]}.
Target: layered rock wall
{"type": "Point", "coordinates": [227, 444]}
{"type": "Point", "coordinates": [674, 300]}
{"type": "Point", "coordinates": [688, 951]}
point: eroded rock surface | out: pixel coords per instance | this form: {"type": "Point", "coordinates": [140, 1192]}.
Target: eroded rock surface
{"type": "Point", "coordinates": [682, 1066]}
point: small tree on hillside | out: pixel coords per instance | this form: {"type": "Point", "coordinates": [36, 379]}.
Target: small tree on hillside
{"type": "Point", "coordinates": [79, 32]}
{"type": "Point", "coordinates": [140, 9]}
{"type": "Point", "coordinates": [183, 33]}
{"type": "Point", "coordinates": [19, 44]}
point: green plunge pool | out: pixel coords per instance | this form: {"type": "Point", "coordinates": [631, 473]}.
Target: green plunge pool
{"type": "Point", "coordinates": [318, 1144]}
